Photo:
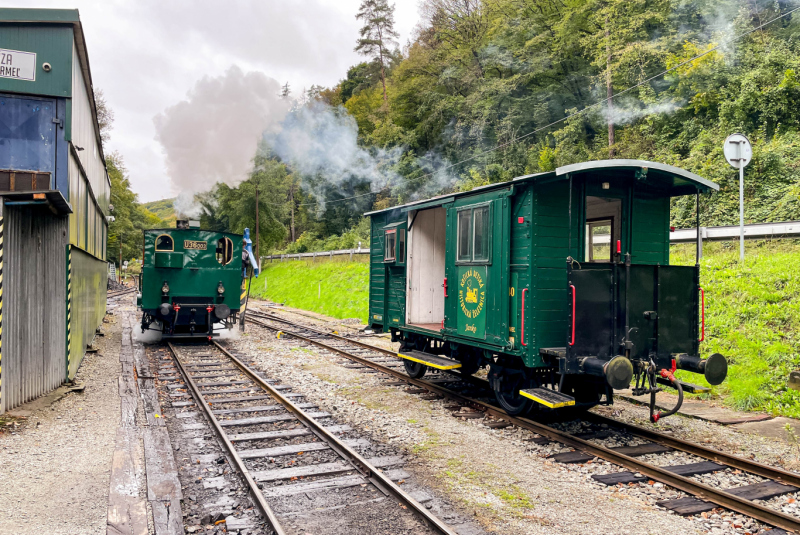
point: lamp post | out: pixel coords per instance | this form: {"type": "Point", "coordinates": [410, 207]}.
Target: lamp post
{"type": "Point", "coordinates": [738, 152]}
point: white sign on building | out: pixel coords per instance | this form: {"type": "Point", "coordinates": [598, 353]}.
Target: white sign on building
{"type": "Point", "coordinates": [17, 65]}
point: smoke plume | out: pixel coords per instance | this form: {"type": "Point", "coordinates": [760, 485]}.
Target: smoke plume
{"type": "Point", "coordinates": [212, 136]}
{"type": "Point", "coordinates": [320, 143]}
{"type": "Point", "coordinates": [622, 113]}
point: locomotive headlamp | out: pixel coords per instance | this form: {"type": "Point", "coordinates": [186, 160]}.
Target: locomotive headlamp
{"type": "Point", "coordinates": [165, 288]}
{"type": "Point", "coordinates": [220, 289]}
{"type": "Point", "coordinates": [606, 185]}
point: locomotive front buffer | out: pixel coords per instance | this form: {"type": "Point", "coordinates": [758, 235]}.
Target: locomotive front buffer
{"type": "Point", "coordinates": [637, 322]}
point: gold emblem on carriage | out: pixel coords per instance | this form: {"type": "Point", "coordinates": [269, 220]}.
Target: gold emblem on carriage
{"type": "Point", "coordinates": [472, 294]}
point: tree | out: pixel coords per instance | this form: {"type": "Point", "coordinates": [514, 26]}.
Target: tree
{"type": "Point", "coordinates": [377, 35]}
{"type": "Point", "coordinates": [105, 116]}
{"type": "Point", "coordinates": [130, 218]}
{"type": "Point", "coordinates": [285, 91]}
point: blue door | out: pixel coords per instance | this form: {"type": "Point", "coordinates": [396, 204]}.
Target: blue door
{"type": "Point", "coordinates": [27, 134]}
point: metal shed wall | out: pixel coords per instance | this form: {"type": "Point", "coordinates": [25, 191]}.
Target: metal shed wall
{"type": "Point", "coordinates": [87, 283]}
{"type": "Point", "coordinates": [34, 293]}
{"type": "Point", "coordinates": [84, 134]}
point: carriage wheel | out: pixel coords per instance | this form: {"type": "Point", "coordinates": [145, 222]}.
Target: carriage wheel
{"type": "Point", "coordinates": [415, 370]}
{"type": "Point", "coordinates": [506, 390]}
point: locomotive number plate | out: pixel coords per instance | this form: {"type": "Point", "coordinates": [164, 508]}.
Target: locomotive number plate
{"type": "Point", "coordinates": [196, 245]}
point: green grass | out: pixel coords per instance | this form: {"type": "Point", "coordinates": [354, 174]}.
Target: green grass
{"type": "Point", "coordinates": [334, 288]}
{"type": "Point", "coordinates": [752, 312]}
{"type": "Point", "coordinates": [753, 318]}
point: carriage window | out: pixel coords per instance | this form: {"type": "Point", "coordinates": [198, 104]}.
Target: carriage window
{"type": "Point", "coordinates": [464, 241]}
{"type": "Point", "coordinates": [473, 234]}
{"type": "Point", "coordinates": [164, 243]}
{"type": "Point", "coordinates": [224, 251]}
{"type": "Point", "coordinates": [401, 245]}
{"type": "Point", "coordinates": [480, 241]}
{"type": "Point", "coordinates": [389, 252]}
{"type": "Point", "coordinates": [598, 241]}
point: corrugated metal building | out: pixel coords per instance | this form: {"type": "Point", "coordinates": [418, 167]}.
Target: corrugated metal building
{"type": "Point", "coordinates": [54, 200]}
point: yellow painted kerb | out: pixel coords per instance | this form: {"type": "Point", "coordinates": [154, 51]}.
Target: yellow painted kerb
{"type": "Point", "coordinates": [432, 365]}
{"type": "Point", "coordinates": [547, 403]}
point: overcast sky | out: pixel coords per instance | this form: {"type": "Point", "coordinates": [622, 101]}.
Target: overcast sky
{"type": "Point", "coordinates": [147, 54]}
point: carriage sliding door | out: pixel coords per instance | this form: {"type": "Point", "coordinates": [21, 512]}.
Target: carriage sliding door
{"type": "Point", "coordinates": [426, 269]}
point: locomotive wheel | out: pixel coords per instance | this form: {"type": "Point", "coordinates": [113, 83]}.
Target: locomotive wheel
{"type": "Point", "coordinates": [415, 370]}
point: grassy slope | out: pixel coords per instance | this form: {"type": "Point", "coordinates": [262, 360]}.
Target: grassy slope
{"type": "Point", "coordinates": [164, 209]}
{"type": "Point", "coordinates": [343, 291]}
{"type": "Point", "coordinates": [753, 318]}
{"type": "Point", "coordinates": [752, 314]}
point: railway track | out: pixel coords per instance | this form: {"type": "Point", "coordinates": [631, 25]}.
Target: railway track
{"type": "Point", "coordinates": [111, 295]}
{"type": "Point", "coordinates": [249, 413]}
{"type": "Point", "coordinates": [745, 500]}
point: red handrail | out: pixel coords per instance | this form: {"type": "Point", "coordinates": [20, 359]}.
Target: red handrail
{"type": "Point", "coordinates": [522, 335]}
{"type": "Point", "coordinates": [572, 342]}
{"type": "Point", "coordinates": [445, 287]}
{"type": "Point", "coordinates": [702, 315]}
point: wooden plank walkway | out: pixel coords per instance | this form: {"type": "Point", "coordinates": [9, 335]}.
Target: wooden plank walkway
{"type": "Point", "coordinates": [141, 452]}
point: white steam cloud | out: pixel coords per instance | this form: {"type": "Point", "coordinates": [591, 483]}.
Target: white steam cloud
{"type": "Point", "coordinates": [212, 136]}
{"type": "Point", "coordinates": [320, 142]}
{"type": "Point", "coordinates": [621, 114]}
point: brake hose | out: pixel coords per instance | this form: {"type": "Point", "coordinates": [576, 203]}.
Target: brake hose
{"type": "Point", "coordinates": [667, 374]}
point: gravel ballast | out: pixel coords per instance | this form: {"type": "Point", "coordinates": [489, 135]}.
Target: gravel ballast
{"type": "Point", "coordinates": [495, 476]}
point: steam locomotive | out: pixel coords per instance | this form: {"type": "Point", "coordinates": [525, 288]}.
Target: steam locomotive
{"type": "Point", "coordinates": [193, 279]}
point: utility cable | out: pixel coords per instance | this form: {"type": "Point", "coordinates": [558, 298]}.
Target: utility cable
{"type": "Point", "coordinates": [578, 113]}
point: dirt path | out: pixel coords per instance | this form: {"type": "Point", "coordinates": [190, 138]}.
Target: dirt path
{"type": "Point", "coordinates": [55, 466]}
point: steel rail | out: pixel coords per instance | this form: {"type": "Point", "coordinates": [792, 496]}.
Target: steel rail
{"type": "Point", "coordinates": [251, 483]}
{"type": "Point", "coordinates": [728, 459]}
{"type": "Point", "coordinates": [685, 484]}
{"type": "Point", "coordinates": [117, 294]}
{"type": "Point", "coordinates": [378, 478]}
{"type": "Point", "coordinates": [731, 460]}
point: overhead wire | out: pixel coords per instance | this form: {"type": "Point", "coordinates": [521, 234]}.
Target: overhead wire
{"type": "Point", "coordinates": [609, 99]}
{"type": "Point", "coordinates": [585, 110]}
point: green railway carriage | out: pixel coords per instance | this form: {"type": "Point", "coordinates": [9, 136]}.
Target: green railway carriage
{"type": "Point", "coordinates": [558, 282]}
{"type": "Point", "coordinates": [191, 280]}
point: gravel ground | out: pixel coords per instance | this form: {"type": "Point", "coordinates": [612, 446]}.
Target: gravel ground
{"type": "Point", "coordinates": [464, 457]}
{"type": "Point", "coordinates": [55, 467]}
{"type": "Point", "coordinates": [496, 476]}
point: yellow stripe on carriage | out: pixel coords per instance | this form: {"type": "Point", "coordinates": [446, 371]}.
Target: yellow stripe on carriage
{"type": "Point", "coordinates": [546, 403]}
{"type": "Point", "coordinates": [432, 365]}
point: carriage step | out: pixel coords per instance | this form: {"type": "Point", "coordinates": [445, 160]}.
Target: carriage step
{"type": "Point", "coordinates": [434, 361]}
{"type": "Point", "coordinates": [548, 398]}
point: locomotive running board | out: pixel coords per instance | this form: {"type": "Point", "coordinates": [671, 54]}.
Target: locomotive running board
{"type": "Point", "coordinates": [548, 398]}
{"type": "Point", "coordinates": [434, 361]}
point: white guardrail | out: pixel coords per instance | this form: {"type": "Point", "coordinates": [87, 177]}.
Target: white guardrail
{"type": "Point", "coordinates": [786, 229]}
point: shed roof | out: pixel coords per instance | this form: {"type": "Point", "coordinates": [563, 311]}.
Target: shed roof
{"type": "Point", "coordinates": [673, 180]}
